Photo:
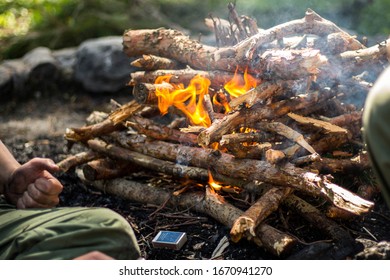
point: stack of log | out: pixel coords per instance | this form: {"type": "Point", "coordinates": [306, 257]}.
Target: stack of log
{"type": "Point", "coordinates": [279, 146]}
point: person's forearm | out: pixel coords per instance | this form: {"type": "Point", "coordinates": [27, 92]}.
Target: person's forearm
{"type": "Point", "coordinates": [7, 166]}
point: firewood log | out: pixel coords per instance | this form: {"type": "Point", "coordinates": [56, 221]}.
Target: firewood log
{"type": "Point", "coordinates": [145, 93]}
{"type": "Point", "coordinates": [287, 132]}
{"type": "Point", "coordinates": [249, 169]}
{"type": "Point", "coordinates": [289, 64]}
{"type": "Point", "coordinates": [183, 76]}
{"type": "Point", "coordinates": [103, 169]}
{"type": "Point", "coordinates": [112, 123]}
{"type": "Point", "coordinates": [317, 219]}
{"type": "Point", "coordinates": [312, 23]}
{"type": "Point", "coordinates": [353, 165]}
{"type": "Point", "coordinates": [258, 212]}
{"type": "Point", "coordinates": [156, 131]}
{"type": "Point", "coordinates": [77, 159]}
{"type": "Point", "coordinates": [379, 52]}
{"type": "Point", "coordinates": [343, 242]}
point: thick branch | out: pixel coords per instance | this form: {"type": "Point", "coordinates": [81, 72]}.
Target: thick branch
{"type": "Point", "coordinates": [175, 45]}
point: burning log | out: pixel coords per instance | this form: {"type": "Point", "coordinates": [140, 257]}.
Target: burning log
{"type": "Point", "coordinates": [183, 76]}
{"type": "Point", "coordinates": [260, 93]}
{"type": "Point", "coordinates": [145, 93]}
{"type": "Point", "coordinates": [254, 170]}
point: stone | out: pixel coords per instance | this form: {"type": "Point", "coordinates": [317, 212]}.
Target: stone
{"type": "Point", "coordinates": [102, 66]}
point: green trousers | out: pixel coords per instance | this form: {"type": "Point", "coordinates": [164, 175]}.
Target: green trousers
{"type": "Point", "coordinates": [64, 233]}
{"type": "Point", "coordinates": [376, 124]}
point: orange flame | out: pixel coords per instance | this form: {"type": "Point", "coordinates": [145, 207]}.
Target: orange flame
{"type": "Point", "coordinates": [235, 86]}
{"type": "Point", "coordinates": [224, 103]}
{"type": "Point", "coordinates": [189, 100]}
{"type": "Point", "coordinates": [213, 184]}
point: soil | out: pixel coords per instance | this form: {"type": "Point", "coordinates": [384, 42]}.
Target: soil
{"type": "Point", "coordinates": [35, 128]}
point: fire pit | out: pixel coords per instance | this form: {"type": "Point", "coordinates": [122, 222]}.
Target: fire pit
{"type": "Point", "coordinates": [266, 121]}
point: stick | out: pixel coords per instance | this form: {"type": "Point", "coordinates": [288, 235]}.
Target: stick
{"type": "Point", "coordinates": [258, 212]}
{"type": "Point", "coordinates": [152, 62]}
{"type": "Point", "coordinates": [77, 159]}
{"type": "Point", "coordinates": [160, 132]}
{"type": "Point", "coordinates": [112, 123]}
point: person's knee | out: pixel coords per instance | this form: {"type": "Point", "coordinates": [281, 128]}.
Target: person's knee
{"type": "Point", "coordinates": [119, 237]}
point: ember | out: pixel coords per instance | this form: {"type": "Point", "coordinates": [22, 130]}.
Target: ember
{"type": "Point", "coordinates": [286, 108]}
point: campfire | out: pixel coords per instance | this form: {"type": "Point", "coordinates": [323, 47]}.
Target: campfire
{"type": "Point", "coordinates": [265, 120]}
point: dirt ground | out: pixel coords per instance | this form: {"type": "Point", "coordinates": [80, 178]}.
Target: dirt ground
{"type": "Point", "coordinates": [35, 127]}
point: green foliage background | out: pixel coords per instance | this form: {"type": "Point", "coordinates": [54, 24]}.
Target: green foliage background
{"type": "Point", "coordinates": [25, 24]}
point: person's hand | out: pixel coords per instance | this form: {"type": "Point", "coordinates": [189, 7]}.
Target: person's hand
{"type": "Point", "coordinates": [33, 186]}
{"type": "Point", "coordinates": [95, 255]}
